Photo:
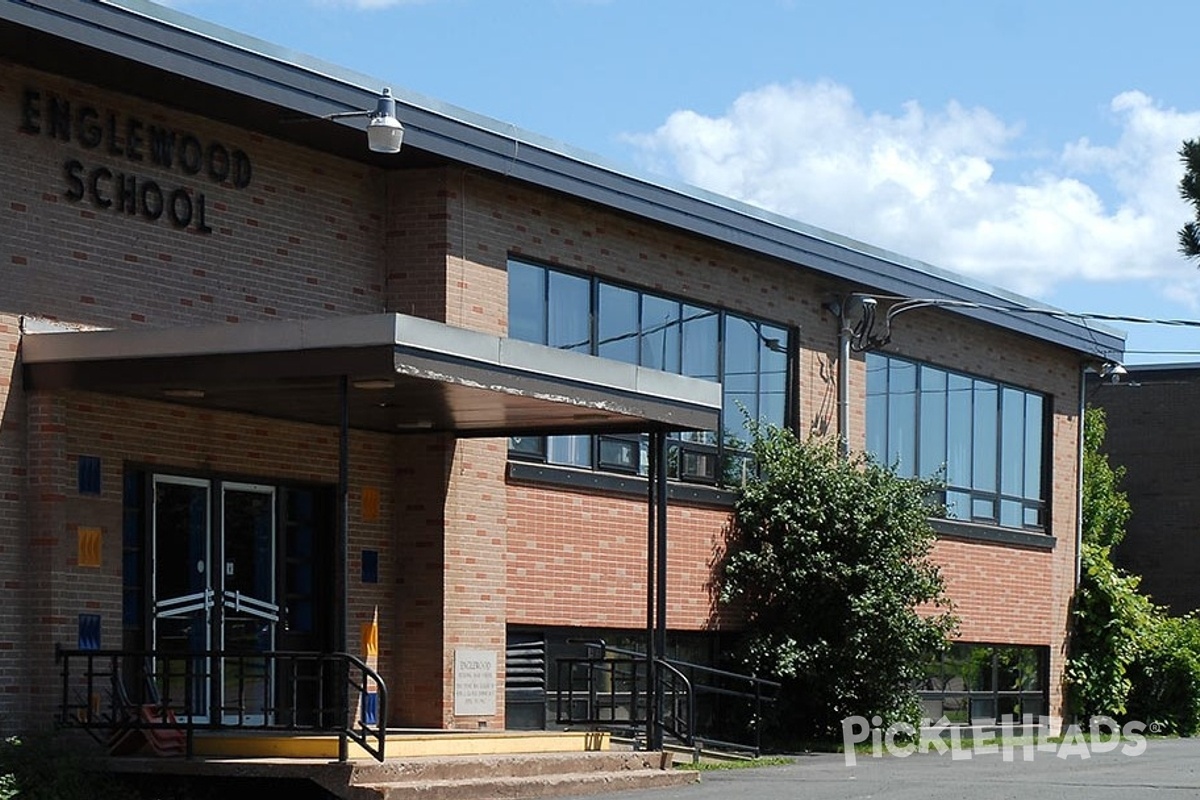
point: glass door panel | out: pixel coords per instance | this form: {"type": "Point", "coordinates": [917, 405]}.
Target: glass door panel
{"type": "Point", "coordinates": [250, 609]}
{"type": "Point", "coordinates": [183, 597]}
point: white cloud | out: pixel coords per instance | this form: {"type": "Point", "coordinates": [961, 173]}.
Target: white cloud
{"type": "Point", "coordinates": [925, 184]}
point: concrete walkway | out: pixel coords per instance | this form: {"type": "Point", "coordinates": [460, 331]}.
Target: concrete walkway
{"type": "Point", "coordinates": [1167, 769]}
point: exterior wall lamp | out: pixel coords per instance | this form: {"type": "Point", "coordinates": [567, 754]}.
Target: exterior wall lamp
{"type": "Point", "coordinates": [384, 132]}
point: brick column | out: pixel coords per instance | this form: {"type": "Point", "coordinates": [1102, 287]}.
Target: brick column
{"type": "Point", "coordinates": [476, 540]}
{"type": "Point", "coordinates": [15, 612]}
{"type": "Point", "coordinates": [44, 554]}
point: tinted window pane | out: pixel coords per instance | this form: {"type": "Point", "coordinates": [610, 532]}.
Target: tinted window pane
{"type": "Point", "coordinates": [700, 341]}
{"type": "Point", "coordinates": [1033, 447]}
{"type": "Point", "coordinates": [958, 505]}
{"type": "Point", "coordinates": [983, 475]}
{"type": "Point", "coordinates": [931, 447]}
{"type": "Point", "coordinates": [877, 372]}
{"type": "Point", "coordinates": [617, 324]}
{"type": "Point", "coordinates": [1012, 442]}
{"type": "Point", "coordinates": [772, 381]}
{"type": "Point", "coordinates": [620, 454]}
{"type": "Point", "coordinates": [977, 667]}
{"type": "Point", "coordinates": [959, 401]}
{"type": "Point", "coordinates": [526, 302]}
{"type": "Point", "coordinates": [902, 417]}
{"type": "Point", "coordinates": [700, 355]}
{"type": "Point", "coordinates": [983, 508]}
{"type": "Point", "coordinates": [575, 451]}
{"type": "Point", "coordinates": [569, 314]}
{"type": "Point", "coordinates": [741, 377]}
{"type": "Point", "coordinates": [1012, 513]}
{"type": "Point", "coordinates": [660, 333]}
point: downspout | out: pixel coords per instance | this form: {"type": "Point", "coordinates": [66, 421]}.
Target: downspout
{"type": "Point", "coordinates": [1079, 480]}
{"type": "Point", "coordinates": [843, 383]}
{"type": "Point", "coordinates": [342, 638]}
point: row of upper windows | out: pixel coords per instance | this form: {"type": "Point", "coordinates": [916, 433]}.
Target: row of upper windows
{"type": "Point", "coordinates": [749, 357]}
{"type": "Point", "coordinates": [987, 439]}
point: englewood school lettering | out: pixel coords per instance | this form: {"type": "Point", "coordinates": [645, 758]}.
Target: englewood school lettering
{"type": "Point", "coordinates": [130, 139]}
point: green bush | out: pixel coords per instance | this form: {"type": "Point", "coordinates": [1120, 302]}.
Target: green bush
{"type": "Point", "coordinates": [829, 563]}
{"type": "Point", "coordinates": [42, 767]}
{"type": "Point", "coordinates": [1111, 621]}
{"type": "Point", "coordinates": [1165, 677]}
{"type": "Point", "coordinates": [1129, 659]}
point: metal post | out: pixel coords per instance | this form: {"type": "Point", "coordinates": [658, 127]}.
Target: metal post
{"type": "Point", "coordinates": [343, 556]}
{"type": "Point", "coordinates": [658, 442]}
{"type": "Point", "coordinates": [843, 383]}
{"type": "Point", "coordinates": [651, 522]}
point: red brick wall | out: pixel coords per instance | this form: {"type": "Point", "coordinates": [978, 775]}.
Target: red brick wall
{"type": "Point", "coordinates": [422, 472]}
{"type": "Point", "coordinates": [416, 244]}
{"type": "Point", "coordinates": [14, 482]}
{"type": "Point", "coordinates": [580, 559]}
{"type": "Point", "coordinates": [1006, 594]}
{"type": "Point", "coordinates": [587, 534]}
{"type": "Point", "coordinates": [304, 239]}
{"type": "Point", "coordinates": [476, 539]}
{"type": "Point", "coordinates": [316, 236]}
{"type": "Point", "coordinates": [46, 536]}
{"type": "Point", "coordinates": [172, 438]}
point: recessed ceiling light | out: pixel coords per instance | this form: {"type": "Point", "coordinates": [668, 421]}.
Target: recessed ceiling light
{"type": "Point", "coordinates": [375, 384]}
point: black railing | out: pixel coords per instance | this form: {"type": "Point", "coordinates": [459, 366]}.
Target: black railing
{"type": "Point", "coordinates": [699, 705]}
{"type": "Point", "coordinates": [161, 699]}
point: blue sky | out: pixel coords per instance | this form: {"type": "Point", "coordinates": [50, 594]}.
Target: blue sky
{"type": "Point", "coordinates": [1030, 144]}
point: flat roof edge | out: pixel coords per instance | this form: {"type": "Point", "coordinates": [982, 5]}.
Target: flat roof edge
{"type": "Point", "coordinates": [399, 331]}
{"type": "Point", "coordinates": [241, 64]}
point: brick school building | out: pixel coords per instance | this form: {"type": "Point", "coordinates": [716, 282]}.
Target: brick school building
{"type": "Point", "coordinates": [262, 387]}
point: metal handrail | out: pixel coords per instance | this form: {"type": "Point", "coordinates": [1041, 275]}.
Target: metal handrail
{"type": "Point", "coordinates": [270, 691]}
{"type": "Point", "coordinates": [758, 692]}
{"type": "Point", "coordinates": [603, 647]}
{"type": "Point", "coordinates": [688, 734]}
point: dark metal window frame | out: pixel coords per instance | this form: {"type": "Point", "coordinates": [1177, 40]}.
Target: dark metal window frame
{"type": "Point", "coordinates": [995, 695]}
{"type": "Point", "coordinates": [677, 446]}
{"type": "Point", "coordinates": [1041, 505]}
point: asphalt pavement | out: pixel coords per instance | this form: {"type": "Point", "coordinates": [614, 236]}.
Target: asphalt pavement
{"type": "Point", "coordinates": [1165, 769]}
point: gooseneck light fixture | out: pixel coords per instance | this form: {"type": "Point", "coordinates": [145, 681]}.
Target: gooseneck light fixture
{"type": "Point", "coordinates": [384, 132]}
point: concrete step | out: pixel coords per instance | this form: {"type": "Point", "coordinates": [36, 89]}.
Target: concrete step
{"type": "Point", "coordinates": [531, 786]}
{"type": "Point", "coordinates": [516, 765]}
{"type": "Point", "coordinates": [511, 777]}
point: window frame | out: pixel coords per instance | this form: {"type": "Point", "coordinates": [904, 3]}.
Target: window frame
{"type": "Point", "coordinates": [983, 505]}
{"type": "Point", "coordinates": [681, 446]}
{"type": "Point", "coordinates": [942, 671]}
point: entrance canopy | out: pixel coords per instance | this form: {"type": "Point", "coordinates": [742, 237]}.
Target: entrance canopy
{"type": "Point", "coordinates": [402, 373]}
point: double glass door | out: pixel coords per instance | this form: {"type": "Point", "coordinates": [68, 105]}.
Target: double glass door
{"type": "Point", "coordinates": [214, 591]}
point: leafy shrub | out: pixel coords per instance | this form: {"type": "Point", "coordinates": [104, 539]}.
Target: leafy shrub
{"type": "Point", "coordinates": [1111, 620]}
{"type": "Point", "coordinates": [1165, 678]}
{"type": "Point", "coordinates": [1129, 659]}
{"type": "Point", "coordinates": [41, 767]}
{"type": "Point", "coordinates": [829, 562]}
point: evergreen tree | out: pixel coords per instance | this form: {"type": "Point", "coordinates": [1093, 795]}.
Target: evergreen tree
{"type": "Point", "coordinates": [1189, 190]}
